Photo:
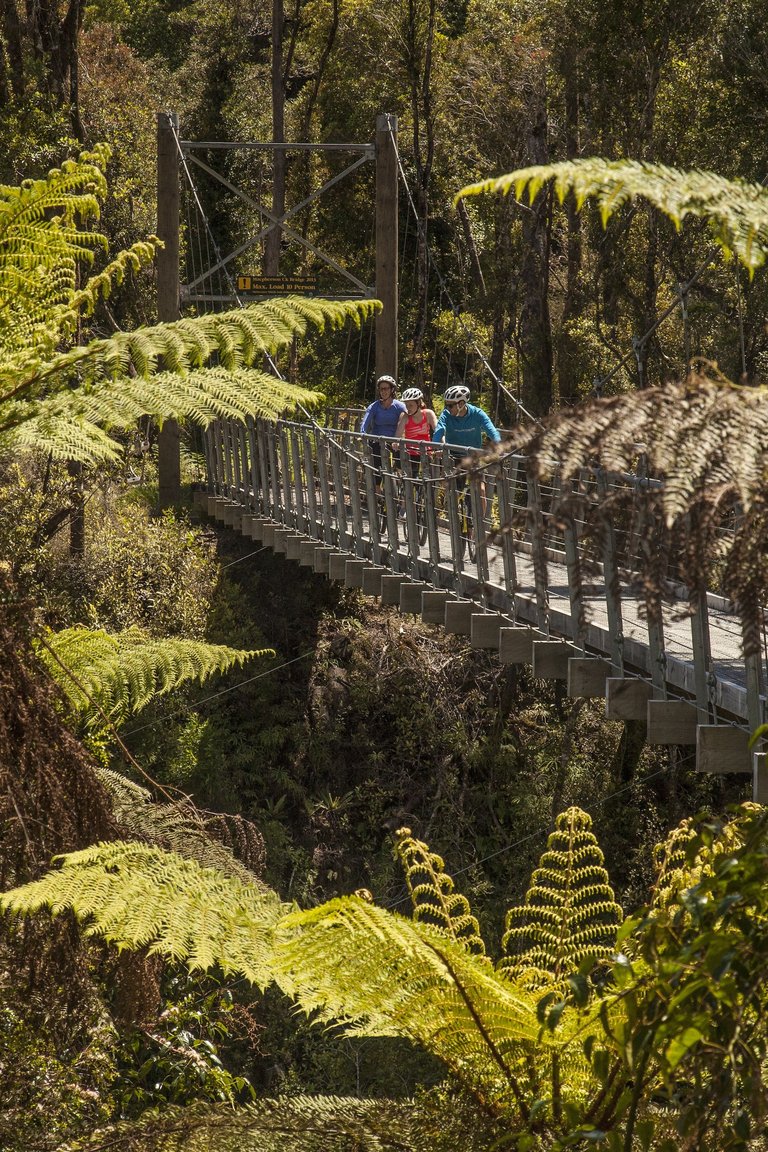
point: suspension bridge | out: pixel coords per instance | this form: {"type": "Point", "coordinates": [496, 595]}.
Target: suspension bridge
{"type": "Point", "coordinates": [504, 572]}
{"type": "Point", "coordinates": [308, 491]}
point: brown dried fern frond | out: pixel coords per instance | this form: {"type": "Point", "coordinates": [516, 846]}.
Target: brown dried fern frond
{"type": "Point", "coordinates": [704, 436]}
{"type": "Point", "coordinates": [705, 440]}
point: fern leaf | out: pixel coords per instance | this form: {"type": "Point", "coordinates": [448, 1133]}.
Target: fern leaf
{"type": "Point", "coordinates": [138, 896]}
{"type": "Point", "coordinates": [301, 1123]}
{"type": "Point", "coordinates": [159, 372]}
{"type": "Point", "coordinates": [379, 974]}
{"type": "Point", "coordinates": [432, 895]}
{"type": "Point", "coordinates": [230, 844]}
{"type": "Point", "coordinates": [570, 913]}
{"type": "Point", "coordinates": [736, 210]}
{"type": "Point", "coordinates": [120, 675]}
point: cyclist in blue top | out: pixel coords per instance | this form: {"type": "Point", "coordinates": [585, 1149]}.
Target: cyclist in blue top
{"type": "Point", "coordinates": [462, 425]}
{"type": "Point", "coordinates": [381, 418]}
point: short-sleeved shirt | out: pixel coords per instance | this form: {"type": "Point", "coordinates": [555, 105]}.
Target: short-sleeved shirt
{"type": "Point", "coordinates": [381, 421]}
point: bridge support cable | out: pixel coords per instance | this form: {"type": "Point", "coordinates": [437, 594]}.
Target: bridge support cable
{"type": "Point", "coordinates": [498, 382]}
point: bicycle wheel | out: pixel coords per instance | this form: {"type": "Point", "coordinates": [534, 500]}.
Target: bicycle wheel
{"type": "Point", "coordinates": [471, 542]}
{"type": "Point", "coordinates": [463, 526]}
{"type": "Point", "coordinates": [421, 514]}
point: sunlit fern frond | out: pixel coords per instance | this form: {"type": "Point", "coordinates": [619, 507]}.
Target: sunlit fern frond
{"type": "Point", "coordinates": [114, 676]}
{"type": "Point", "coordinates": [44, 235]}
{"type": "Point", "coordinates": [736, 210]}
{"type": "Point", "coordinates": [378, 974]}
{"type": "Point", "coordinates": [231, 844]}
{"type": "Point", "coordinates": [164, 372]}
{"type": "Point", "coordinates": [692, 849]}
{"type": "Point", "coordinates": [570, 912]}
{"type": "Point", "coordinates": [706, 441]}
{"type": "Point", "coordinates": [432, 893]}
{"type": "Point", "coordinates": [73, 427]}
{"type": "Point", "coordinates": [135, 896]}
{"type": "Point", "coordinates": [705, 438]}
{"type": "Point", "coordinates": [298, 1123]}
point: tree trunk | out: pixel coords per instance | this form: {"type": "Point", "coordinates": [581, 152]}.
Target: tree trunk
{"type": "Point", "coordinates": [420, 76]}
{"type": "Point", "coordinates": [13, 51]}
{"type": "Point", "coordinates": [535, 338]}
{"type": "Point", "coordinates": [271, 262]}
{"type": "Point", "coordinates": [567, 374]}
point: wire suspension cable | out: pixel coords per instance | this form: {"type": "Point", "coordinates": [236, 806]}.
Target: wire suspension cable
{"type": "Point", "coordinates": [454, 308]}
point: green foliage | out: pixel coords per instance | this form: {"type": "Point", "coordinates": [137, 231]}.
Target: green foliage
{"type": "Point", "coordinates": [230, 844]}
{"type": "Point", "coordinates": [689, 986]}
{"type": "Point", "coordinates": [736, 209]}
{"type": "Point", "coordinates": [176, 1060]}
{"type": "Point", "coordinates": [210, 919]}
{"type": "Point", "coordinates": [302, 1123]}
{"type": "Point", "coordinates": [69, 403]}
{"type": "Point", "coordinates": [66, 1085]}
{"type": "Point", "coordinates": [432, 893]}
{"type": "Point", "coordinates": [106, 677]}
{"type": "Point", "coordinates": [156, 573]}
{"type": "Point", "coordinates": [570, 916]}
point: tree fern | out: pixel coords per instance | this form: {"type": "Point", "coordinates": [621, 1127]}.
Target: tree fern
{"type": "Point", "coordinates": [117, 675]}
{"type": "Point", "coordinates": [68, 402]}
{"type": "Point", "coordinates": [137, 896]}
{"type": "Point", "coordinates": [348, 964]}
{"type": "Point", "coordinates": [299, 1123]}
{"type": "Point", "coordinates": [736, 210]}
{"type": "Point", "coordinates": [570, 913]}
{"type": "Point", "coordinates": [432, 893]}
{"type": "Point", "coordinates": [230, 844]}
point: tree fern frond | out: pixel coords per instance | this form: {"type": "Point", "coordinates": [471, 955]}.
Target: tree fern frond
{"type": "Point", "coordinates": [736, 210]}
{"type": "Point", "coordinates": [432, 893]}
{"type": "Point", "coordinates": [298, 1123]}
{"type": "Point", "coordinates": [138, 896]}
{"type": "Point", "coordinates": [706, 440]}
{"type": "Point", "coordinates": [42, 239]}
{"type": "Point", "coordinates": [230, 844]}
{"type": "Point", "coordinates": [686, 855]}
{"type": "Point", "coordinates": [379, 974]}
{"type": "Point", "coordinates": [119, 675]}
{"type": "Point", "coordinates": [71, 426]}
{"type": "Point", "coordinates": [570, 912]}
{"type": "Point", "coordinates": [156, 371]}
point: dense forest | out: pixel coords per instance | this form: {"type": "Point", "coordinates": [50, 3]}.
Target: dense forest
{"type": "Point", "coordinates": [323, 877]}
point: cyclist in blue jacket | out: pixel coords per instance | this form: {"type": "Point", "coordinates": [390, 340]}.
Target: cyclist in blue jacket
{"type": "Point", "coordinates": [381, 418]}
{"type": "Point", "coordinates": [462, 427]}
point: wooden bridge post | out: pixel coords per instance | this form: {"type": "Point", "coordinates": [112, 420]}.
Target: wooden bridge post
{"type": "Point", "coordinates": [386, 244]}
{"type": "Point", "coordinates": [168, 199]}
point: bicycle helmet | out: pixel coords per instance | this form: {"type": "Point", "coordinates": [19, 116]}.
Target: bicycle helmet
{"type": "Point", "coordinates": [387, 380]}
{"type": "Point", "coordinates": [412, 394]}
{"type": "Point", "coordinates": [456, 393]}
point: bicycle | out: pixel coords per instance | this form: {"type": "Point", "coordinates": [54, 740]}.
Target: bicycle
{"type": "Point", "coordinates": [467, 541]}
{"type": "Point", "coordinates": [419, 501]}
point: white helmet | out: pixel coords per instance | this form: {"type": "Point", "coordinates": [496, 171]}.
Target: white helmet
{"type": "Point", "coordinates": [387, 380]}
{"type": "Point", "coordinates": [412, 394]}
{"type": "Point", "coordinates": [456, 392]}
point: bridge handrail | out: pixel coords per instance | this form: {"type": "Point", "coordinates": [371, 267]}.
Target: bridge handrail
{"type": "Point", "coordinates": [531, 563]}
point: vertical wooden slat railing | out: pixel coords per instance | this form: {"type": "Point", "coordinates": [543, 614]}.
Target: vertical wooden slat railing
{"type": "Point", "coordinates": [321, 482]}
